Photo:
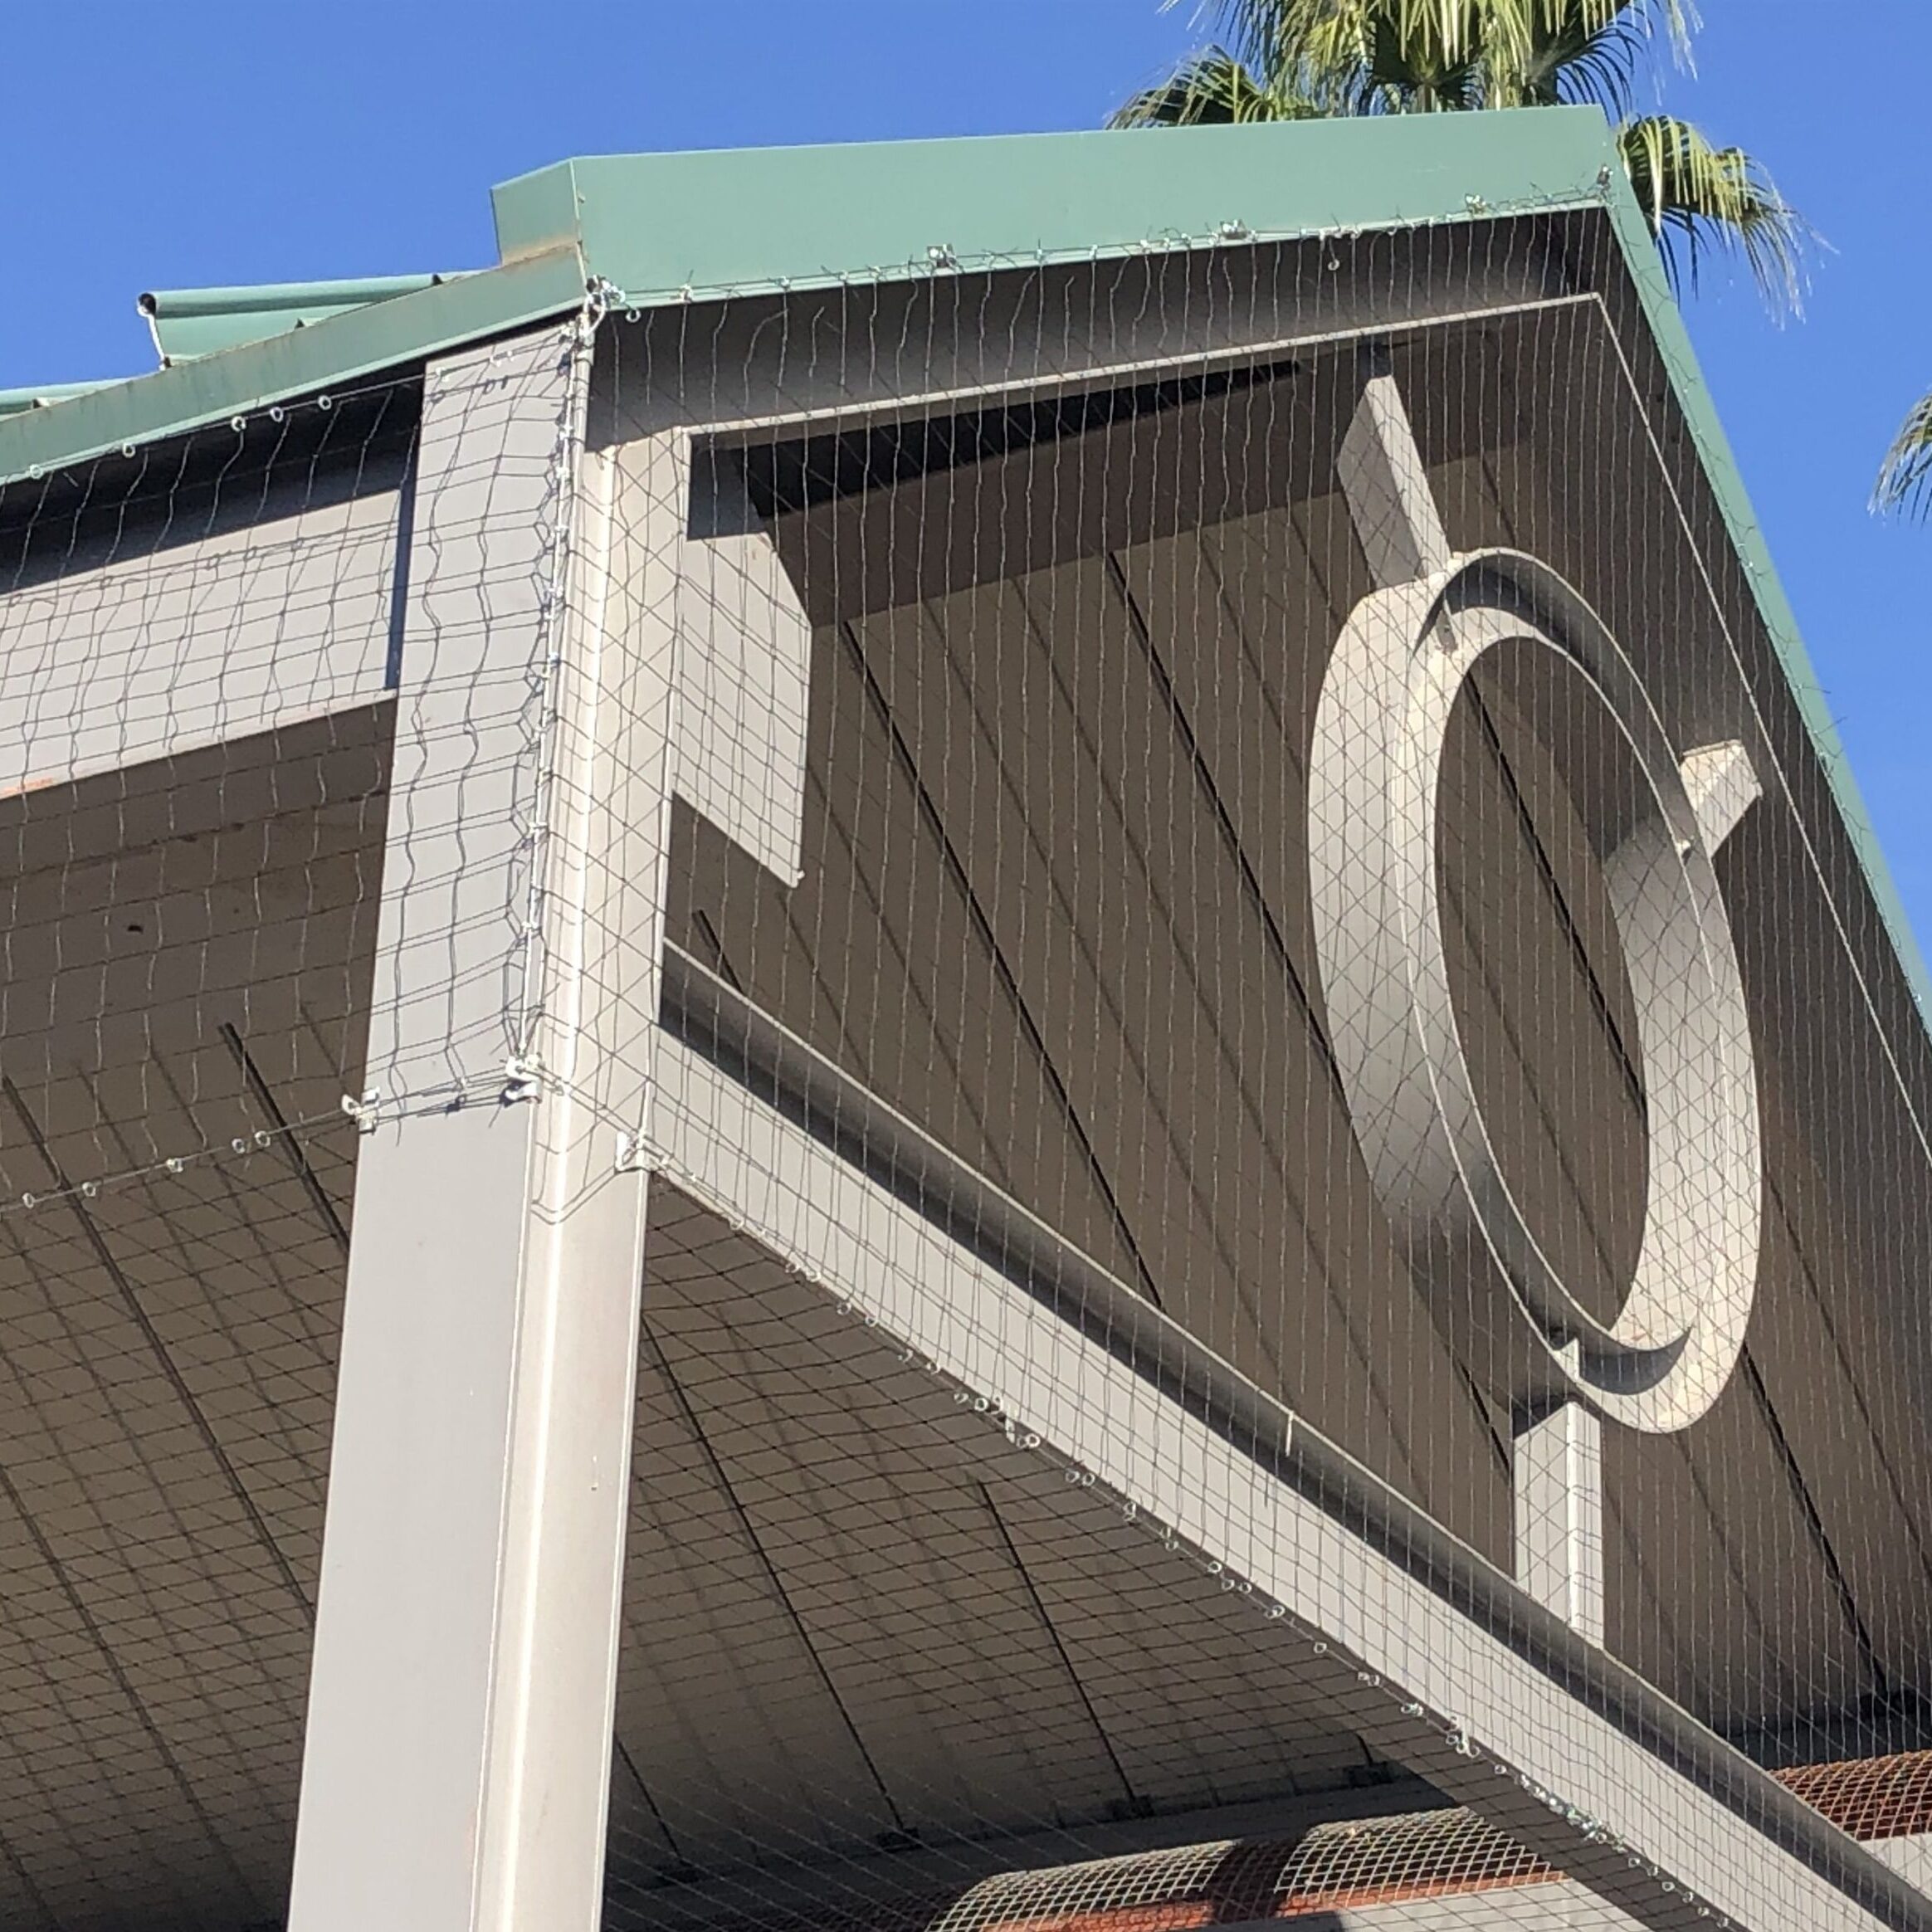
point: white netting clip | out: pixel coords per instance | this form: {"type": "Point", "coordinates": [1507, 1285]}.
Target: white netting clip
{"type": "Point", "coordinates": [520, 1080]}
{"type": "Point", "coordinates": [600, 297]}
{"type": "Point", "coordinates": [363, 1111]}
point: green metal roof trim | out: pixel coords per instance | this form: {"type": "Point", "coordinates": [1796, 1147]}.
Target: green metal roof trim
{"type": "Point", "coordinates": [43, 395]}
{"type": "Point", "coordinates": [358, 342]}
{"type": "Point", "coordinates": [662, 228]}
{"type": "Point", "coordinates": [191, 322]}
{"type": "Point", "coordinates": [659, 226]}
{"type": "Point", "coordinates": [665, 227]}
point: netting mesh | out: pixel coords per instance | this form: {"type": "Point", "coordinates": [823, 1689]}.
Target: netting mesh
{"type": "Point", "coordinates": [1065, 966]}
{"type": "Point", "coordinates": [1282, 1138]}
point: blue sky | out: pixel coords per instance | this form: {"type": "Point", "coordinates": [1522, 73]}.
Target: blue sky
{"type": "Point", "coordinates": [211, 142]}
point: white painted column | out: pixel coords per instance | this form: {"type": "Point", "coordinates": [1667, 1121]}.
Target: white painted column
{"type": "Point", "coordinates": [1558, 1481]}
{"type": "Point", "coordinates": [456, 1763]}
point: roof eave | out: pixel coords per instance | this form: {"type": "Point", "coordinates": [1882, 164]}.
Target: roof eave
{"type": "Point", "coordinates": [335, 350]}
{"type": "Point", "coordinates": [662, 228]}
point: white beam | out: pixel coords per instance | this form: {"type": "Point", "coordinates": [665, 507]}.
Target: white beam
{"type": "Point", "coordinates": [744, 675]}
{"type": "Point", "coordinates": [142, 652]}
{"type": "Point", "coordinates": [1439, 1691]}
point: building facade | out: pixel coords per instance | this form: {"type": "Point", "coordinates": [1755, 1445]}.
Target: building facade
{"type": "Point", "coordinates": [978, 1035]}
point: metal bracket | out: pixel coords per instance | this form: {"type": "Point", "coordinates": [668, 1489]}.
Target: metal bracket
{"type": "Point", "coordinates": [522, 1079]}
{"type": "Point", "coordinates": [636, 1155]}
{"type": "Point", "coordinates": [363, 1112]}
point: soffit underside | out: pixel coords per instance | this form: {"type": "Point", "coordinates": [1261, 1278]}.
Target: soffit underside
{"type": "Point", "coordinates": [187, 951]}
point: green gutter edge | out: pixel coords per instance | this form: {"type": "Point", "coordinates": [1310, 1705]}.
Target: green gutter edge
{"type": "Point", "coordinates": [341, 349]}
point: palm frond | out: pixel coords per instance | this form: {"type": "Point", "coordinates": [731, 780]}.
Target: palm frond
{"type": "Point", "coordinates": [1365, 56]}
{"type": "Point", "coordinates": [1543, 51]}
{"type": "Point", "coordinates": [1214, 89]}
{"type": "Point", "coordinates": [1906, 480]}
{"type": "Point", "coordinates": [1396, 54]}
{"type": "Point", "coordinates": [1701, 199]}
{"type": "Point", "coordinates": [1580, 50]}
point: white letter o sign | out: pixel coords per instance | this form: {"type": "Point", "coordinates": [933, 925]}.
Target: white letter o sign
{"type": "Point", "coordinates": [1374, 781]}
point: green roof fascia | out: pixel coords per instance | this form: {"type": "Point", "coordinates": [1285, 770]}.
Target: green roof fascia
{"type": "Point", "coordinates": [1747, 535]}
{"type": "Point", "coordinates": [358, 342]}
{"type": "Point", "coordinates": [659, 228]}
{"type": "Point", "coordinates": [45, 395]}
{"type": "Point", "coordinates": [191, 322]}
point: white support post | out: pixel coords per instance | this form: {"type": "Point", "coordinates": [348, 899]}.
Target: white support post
{"type": "Point", "coordinates": [456, 1763]}
{"type": "Point", "coordinates": [1559, 1516]}
{"type": "Point", "coordinates": [1390, 501]}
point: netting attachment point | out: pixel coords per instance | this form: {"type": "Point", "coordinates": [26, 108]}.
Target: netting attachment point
{"type": "Point", "coordinates": [520, 1080]}
{"type": "Point", "coordinates": [239, 424]}
{"type": "Point", "coordinates": [174, 1164]}
{"type": "Point", "coordinates": [89, 1189]}
{"type": "Point", "coordinates": [363, 1112]}
{"type": "Point", "coordinates": [941, 254]}
{"type": "Point", "coordinates": [28, 1200]}
{"type": "Point", "coordinates": [325, 401]}
{"type": "Point", "coordinates": [1235, 231]}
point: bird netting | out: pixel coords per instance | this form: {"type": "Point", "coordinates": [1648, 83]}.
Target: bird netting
{"type": "Point", "coordinates": [1282, 1132]}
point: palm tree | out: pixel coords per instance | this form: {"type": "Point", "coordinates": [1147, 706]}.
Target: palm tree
{"type": "Point", "coordinates": [1905, 478]}
{"type": "Point", "coordinates": [1296, 59]}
